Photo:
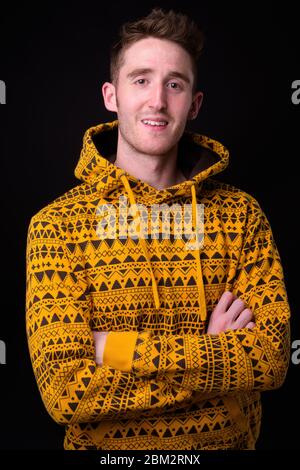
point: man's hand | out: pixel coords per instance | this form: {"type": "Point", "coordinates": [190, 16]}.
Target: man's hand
{"type": "Point", "coordinates": [100, 340]}
{"type": "Point", "coordinates": [230, 314]}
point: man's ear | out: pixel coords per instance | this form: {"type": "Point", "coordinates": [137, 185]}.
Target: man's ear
{"type": "Point", "coordinates": [196, 105]}
{"type": "Point", "coordinates": [109, 96]}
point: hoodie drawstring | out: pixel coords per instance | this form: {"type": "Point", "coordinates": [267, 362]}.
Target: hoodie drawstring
{"type": "Point", "coordinates": [143, 242]}
{"type": "Point", "coordinates": [202, 301]}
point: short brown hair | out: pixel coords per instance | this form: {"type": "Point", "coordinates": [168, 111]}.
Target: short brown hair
{"type": "Point", "coordinates": [160, 24]}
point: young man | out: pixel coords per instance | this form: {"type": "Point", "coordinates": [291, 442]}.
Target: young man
{"type": "Point", "coordinates": [140, 339]}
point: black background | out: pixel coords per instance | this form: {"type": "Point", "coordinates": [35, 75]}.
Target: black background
{"type": "Point", "coordinates": [54, 59]}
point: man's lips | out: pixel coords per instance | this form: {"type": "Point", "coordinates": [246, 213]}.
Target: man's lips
{"type": "Point", "coordinates": [155, 127]}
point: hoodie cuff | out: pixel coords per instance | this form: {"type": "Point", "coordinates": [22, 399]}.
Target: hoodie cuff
{"type": "Point", "coordinates": [119, 349]}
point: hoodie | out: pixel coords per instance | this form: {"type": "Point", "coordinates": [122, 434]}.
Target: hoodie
{"type": "Point", "coordinates": [164, 382]}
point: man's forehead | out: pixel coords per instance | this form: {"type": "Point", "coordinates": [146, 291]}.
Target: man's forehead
{"type": "Point", "coordinates": [151, 49]}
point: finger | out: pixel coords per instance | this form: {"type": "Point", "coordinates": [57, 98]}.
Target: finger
{"type": "Point", "coordinates": [236, 308]}
{"type": "Point", "coordinates": [244, 318]}
{"type": "Point", "coordinates": [225, 301]}
{"type": "Point", "coordinates": [250, 325]}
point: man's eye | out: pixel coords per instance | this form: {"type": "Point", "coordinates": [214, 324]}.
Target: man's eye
{"type": "Point", "coordinates": [174, 83]}
{"type": "Point", "coordinates": [140, 80]}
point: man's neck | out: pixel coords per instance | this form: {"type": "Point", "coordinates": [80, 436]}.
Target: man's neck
{"type": "Point", "coordinates": [159, 171]}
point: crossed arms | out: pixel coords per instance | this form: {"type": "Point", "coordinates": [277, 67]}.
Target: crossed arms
{"type": "Point", "coordinates": [162, 371]}
{"type": "Point", "coordinates": [229, 314]}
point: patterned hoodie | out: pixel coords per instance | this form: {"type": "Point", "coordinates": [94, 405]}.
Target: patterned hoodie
{"type": "Point", "coordinates": [164, 383]}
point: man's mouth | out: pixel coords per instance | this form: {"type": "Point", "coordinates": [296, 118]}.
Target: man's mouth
{"type": "Point", "coordinates": [157, 125]}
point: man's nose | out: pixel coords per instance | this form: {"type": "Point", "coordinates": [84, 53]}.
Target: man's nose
{"type": "Point", "coordinates": [158, 98]}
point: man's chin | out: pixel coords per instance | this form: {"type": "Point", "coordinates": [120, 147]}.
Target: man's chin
{"type": "Point", "coordinates": [154, 150]}
{"type": "Point", "coordinates": [153, 146]}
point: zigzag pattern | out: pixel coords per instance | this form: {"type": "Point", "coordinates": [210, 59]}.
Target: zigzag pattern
{"type": "Point", "coordinates": [175, 397]}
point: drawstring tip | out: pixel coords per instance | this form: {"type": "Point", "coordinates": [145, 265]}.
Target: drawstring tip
{"type": "Point", "coordinates": [157, 304]}
{"type": "Point", "coordinates": [203, 316]}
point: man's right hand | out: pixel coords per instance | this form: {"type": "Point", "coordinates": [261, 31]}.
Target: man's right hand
{"type": "Point", "coordinates": [230, 314]}
{"type": "Point", "coordinates": [100, 340]}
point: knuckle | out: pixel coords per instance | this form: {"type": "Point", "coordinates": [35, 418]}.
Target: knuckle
{"type": "Point", "coordinates": [227, 293]}
{"type": "Point", "coordinates": [248, 311]}
{"type": "Point", "coordinates": [239, 303]}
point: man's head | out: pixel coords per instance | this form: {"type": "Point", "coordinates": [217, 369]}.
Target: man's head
{"type": "Point", "coordinates": [154, 76]}
{"type": "Point", "coordinates": [169, 25]}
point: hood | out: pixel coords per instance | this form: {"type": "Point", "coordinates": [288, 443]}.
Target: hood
{"type": "Point", "coordinates": [199, 157]}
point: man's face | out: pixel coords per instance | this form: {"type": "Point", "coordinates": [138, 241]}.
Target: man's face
{"type": "Point", "coordinates": [155, 82]}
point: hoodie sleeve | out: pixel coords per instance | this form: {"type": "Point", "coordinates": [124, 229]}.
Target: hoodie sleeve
{"type": "Point", "coordinates": [61, 345]}
{"type": "Point", "coordinates": [235, 360]}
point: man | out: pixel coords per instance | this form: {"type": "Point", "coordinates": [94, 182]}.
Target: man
{"type": "Point", "coordinates": [140, 339]}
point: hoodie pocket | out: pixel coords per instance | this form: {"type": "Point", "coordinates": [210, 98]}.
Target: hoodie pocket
{"type": "Point", "coordinates": [234, 409]}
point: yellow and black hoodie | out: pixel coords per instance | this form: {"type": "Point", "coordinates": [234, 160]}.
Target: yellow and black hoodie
{"type": "Point", "coordinates": [164, 383]}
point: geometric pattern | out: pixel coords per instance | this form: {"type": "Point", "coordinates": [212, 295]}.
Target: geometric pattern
{"type": "Point", "coordinates": [186, 389]}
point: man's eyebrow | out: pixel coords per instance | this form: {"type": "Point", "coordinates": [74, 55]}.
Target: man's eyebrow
{"type": "Point", "coordinates": [172, 74]}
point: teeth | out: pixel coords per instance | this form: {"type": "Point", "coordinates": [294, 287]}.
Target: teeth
{"type": "Point", "coordinates": [154, 123]}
